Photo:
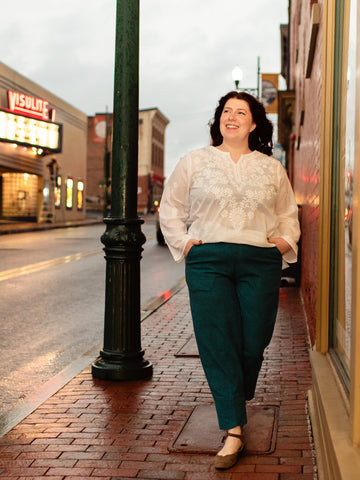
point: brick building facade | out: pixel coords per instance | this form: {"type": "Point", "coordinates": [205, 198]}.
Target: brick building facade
{"type": "Point", "coordinates": [322, 108]}
{"type": "Point", "coordinates": [305, 147]}
{"type": "Point", "coordinates": [151, 158]}
{"type": "Point", "coordinates": [42, 153]}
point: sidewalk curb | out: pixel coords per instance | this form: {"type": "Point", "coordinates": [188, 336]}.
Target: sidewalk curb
{"type": "Point", "coordinates": [23, 227]}
{"type": "Point", "coordinates": [160, 300]}
{"type": "Point", "coordinates": [28, 227]}
{"type": "Point", "coordinates": [11, 418]}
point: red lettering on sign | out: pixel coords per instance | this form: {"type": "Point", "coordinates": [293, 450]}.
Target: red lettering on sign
{"type": "Point", "coordinates": [12, 99]}
{"type": "Point", "coordinates": [22, 103]}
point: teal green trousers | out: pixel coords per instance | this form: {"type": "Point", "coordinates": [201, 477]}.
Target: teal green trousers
{"type": "Point", "coordinates": [234, 294]}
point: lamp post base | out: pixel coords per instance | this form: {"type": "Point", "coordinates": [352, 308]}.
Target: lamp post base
{"type": "Point", "coordinates": [114, 367]}
{"type": "Point", "coordinates": [122, 356]}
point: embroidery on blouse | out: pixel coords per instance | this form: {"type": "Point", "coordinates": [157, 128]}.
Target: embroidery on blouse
{"type": "Point", "coordinates": [239, 189]}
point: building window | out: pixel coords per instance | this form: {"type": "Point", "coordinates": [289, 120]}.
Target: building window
{"type": "Point", "coordinates": [57, 192]}
{"type": "Point", "coordinates": [80, 195]}
{"type": "Point", "coordinates": [19, 194]}
{"type": "Point", "coordinates": [348, 178]}
{"type": "Point", "coordinates": [69, 192]}
{"type": "Point", "coordinates": [46, 193]}
{"type": "Point", "coordinates": [341, 261]}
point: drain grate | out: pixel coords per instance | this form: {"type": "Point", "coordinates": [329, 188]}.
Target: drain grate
{"type": "Point", "coordinates": [200, 432]}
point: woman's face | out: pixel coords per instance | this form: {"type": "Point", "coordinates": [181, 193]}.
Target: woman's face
{"type": "Point", "coordinates": [236, 121]}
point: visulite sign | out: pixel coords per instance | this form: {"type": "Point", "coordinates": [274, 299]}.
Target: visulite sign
{"type": "Point", "coordinates": [34, 127]}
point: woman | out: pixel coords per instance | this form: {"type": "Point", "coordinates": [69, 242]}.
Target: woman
{"type": "Point", "coordinates": [244, 225]}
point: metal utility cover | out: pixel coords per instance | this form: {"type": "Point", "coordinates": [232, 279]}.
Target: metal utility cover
{"type": "Point", "coordinates": [200, 432]}
{"type": "Point", "coordinates": [189, 349]}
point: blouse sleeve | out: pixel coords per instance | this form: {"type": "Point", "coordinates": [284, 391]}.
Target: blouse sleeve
{"type": "Point", "coordinates": [287, 214]}
{"type": "Point", "coordinates": [174, 209]}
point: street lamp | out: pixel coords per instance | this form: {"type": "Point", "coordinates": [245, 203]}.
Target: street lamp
{"type": "Point", "coordinates": [122, 356]}
{"type": "Point", "coordinates": [237, 75]}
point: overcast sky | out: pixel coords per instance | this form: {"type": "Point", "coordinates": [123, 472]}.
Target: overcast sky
{"type": "Point", "coordinates": [188, 49]}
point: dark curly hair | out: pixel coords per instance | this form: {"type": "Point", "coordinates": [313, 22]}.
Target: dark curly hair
{"type": "Point", "coordinates": [260, 138]}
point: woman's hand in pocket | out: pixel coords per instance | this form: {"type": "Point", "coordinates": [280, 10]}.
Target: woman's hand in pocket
{"type": "Point", "coordinates": [190, 244]}
{"type": "Point", "coordinates": [281, 244]}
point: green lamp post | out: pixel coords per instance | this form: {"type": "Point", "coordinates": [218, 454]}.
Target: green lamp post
{"type": "Point", "coordinates": [122, 357]}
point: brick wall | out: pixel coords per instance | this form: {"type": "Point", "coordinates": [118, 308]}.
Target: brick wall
{"type": "Point", "coordinates": [95, 167]}
{"type": "Point", "coordinates": [152, 124]}
{"type": "Point", "coordinates": [143, 193]}
{"type": "Point", "coordinates": [306, 158]}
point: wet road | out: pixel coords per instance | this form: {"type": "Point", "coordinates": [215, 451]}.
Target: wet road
{"type": "Point", "coordinates": [52, 289]}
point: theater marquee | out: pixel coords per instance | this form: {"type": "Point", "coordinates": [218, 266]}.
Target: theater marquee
{"type": "Point", "coordinates": [33, 127]}
{"type": "Point", "coordinates": [30, 132]}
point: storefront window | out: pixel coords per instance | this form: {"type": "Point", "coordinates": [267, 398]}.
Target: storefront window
{"type": "Point", "coordinates": [69, 192]}
{"type": "Point", "coordinates": [80, 195]}
{"type": "Point", "coordinates": [19, 195]}
{"type": "Point", "coordinates": [342, 199]}
{"type": "Point", "coordinates": [349, 176]}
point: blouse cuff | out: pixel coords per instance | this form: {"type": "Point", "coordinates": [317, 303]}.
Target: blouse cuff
{"type": "Point", "coordinates": [178, 253]}
{"type": "Point", "coordinates": [291, 255]}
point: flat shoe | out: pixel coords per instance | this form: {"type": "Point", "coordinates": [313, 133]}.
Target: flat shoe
{"type": "Point", "coordinates": [228, 461]}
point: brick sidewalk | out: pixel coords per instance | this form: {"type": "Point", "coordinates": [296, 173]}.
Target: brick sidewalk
{"type": "Point", "coordinates": [122, 430]}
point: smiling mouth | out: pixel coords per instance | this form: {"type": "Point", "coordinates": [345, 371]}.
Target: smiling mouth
{"type": "Point", "coordinates": [232, 126]}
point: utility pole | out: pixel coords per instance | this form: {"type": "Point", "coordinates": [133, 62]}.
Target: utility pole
{"type": "Point", "coordinates": [107, 181]}
{"type": "Point", "coordinates": [122, 357]}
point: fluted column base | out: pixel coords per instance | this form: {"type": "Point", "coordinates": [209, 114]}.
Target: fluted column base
{"type": "Point", "coordinates": [122, 356]}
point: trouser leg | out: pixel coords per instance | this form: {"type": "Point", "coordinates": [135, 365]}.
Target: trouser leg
{"type": "Point", "coordinates": [217, 326]}
{"type": "Point", "coordinates": [258, 282]}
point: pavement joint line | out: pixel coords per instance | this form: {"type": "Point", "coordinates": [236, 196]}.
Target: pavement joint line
{"type": "Point", "coordinates": [36, 267]}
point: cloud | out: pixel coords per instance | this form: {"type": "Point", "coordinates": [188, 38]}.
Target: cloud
{"type": "Point", "coordinates": [188, 49]}
{"type": "Point", "coordinates": [188, 53]}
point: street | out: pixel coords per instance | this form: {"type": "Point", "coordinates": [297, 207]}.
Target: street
{"type": "Point", "coordinates": [52, 301]}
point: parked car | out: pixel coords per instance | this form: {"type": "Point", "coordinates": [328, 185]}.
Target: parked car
{"type": "Point", "coordinates": [159, 235]}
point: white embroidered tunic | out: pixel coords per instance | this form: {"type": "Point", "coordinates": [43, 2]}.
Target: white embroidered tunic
{"type": "Point", "coordinates": [210, 198]}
